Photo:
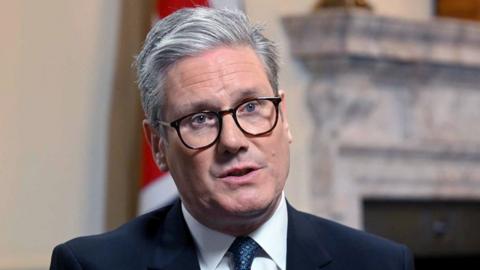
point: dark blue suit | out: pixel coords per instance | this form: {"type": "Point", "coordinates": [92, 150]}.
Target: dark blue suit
{"type": "Point", "coordinates": [161, 240]}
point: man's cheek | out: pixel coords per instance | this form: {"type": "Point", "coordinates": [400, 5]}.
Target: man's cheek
{"type": "Point", "coordinates": [199, 166]}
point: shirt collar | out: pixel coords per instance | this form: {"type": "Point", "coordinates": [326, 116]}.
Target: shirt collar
{"type": "Point", "coordinates": [271, 236]}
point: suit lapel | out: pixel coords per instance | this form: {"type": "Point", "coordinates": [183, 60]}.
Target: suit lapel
{"type": "Point", "coordinates": [175, 249]}
{"type": "Point", "coordinates": [304, 249]}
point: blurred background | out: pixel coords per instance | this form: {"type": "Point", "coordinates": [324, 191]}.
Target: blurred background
{"type": "Point", "coordinates": [382, 97]}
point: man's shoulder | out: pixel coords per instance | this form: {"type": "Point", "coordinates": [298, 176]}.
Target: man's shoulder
{"type": "Point", "coordinates": [141, 228]}
{"type": "Point", "coordinates": [336, 231]}
{"type": "Point", "coordinates": [125, 244]}
{"type": "Point", "coordinates": [341, 242]}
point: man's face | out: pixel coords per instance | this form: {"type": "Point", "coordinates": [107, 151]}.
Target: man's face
{"type": "Point", "coordinates": [240, 178]}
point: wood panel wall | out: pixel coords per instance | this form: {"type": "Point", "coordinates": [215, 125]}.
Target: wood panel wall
{"type": "Point", "coordinates": [460, 9]}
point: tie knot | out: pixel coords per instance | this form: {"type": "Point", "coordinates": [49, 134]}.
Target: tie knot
{"type": "Point", "coordinates": [244, 250]}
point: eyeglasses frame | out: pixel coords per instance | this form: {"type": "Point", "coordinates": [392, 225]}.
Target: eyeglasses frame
{"type": "Point", "coordinates": [176, 123]}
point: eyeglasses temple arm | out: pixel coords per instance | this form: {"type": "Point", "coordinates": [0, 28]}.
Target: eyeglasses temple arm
{"type": "Point", "coordinates": [164, 123]}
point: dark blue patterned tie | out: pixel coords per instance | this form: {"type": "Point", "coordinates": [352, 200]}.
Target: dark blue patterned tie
{"type": "Point", "coordinates": [244, 250]}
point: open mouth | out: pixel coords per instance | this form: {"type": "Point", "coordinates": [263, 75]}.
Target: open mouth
{"type": "Point", "coordinates": [238, 172]}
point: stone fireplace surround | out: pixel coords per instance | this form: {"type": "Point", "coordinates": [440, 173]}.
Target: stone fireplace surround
{"type": "Point", "coordinates": [396, 108]}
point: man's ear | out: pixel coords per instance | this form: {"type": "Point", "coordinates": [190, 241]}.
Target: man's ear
{"type": "Point", "coordinates": [283, 114]}
{"type": "Point", "coordinates": [156, 144]}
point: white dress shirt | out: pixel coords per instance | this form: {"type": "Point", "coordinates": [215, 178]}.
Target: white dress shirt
{"type": "Point", "coordinates": [212, 246]}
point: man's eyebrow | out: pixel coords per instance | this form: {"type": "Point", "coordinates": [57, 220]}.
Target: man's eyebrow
{"type": "Point", "coordinates": [196, 106]}
{"type": "Point", "coordinates": [247, 93]}
{"type": "Point", "coordinates": [211, 105]}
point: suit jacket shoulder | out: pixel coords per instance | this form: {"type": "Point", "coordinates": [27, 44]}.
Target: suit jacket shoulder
{"type": "Point", "coordinates": [151, 241]}
{"type": "Point", "coordinates": [323, 244]}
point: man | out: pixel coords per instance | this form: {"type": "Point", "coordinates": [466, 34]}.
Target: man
{"type": "Point", "coordinates": [216, 120]}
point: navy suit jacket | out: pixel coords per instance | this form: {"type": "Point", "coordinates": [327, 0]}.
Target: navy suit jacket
{"type": "Point", "coordinates": [161, 240]}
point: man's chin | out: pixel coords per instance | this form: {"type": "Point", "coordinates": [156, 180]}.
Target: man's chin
{"type": "Point", "coordinates": [252, 209]}
{"type": "Point", "coordinates": [245, 219]}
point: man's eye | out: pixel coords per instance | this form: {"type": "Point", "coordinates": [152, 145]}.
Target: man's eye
{"type": "Point", "coordinates": [202, 120]}
{"type": "Point", "coordinates": [199, 118]}
{"type": "Point", "coordinates": [249, 107]}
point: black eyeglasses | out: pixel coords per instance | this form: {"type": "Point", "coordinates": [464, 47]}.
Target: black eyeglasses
{"type": "Point", "coordinates": [255, 117]}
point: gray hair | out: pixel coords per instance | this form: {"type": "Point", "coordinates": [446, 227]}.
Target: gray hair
{"type": "Point", "coordinates": [189, 32]}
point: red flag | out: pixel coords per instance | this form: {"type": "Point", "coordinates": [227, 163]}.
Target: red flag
{"type": "Point", "coordinates": [166, 7]}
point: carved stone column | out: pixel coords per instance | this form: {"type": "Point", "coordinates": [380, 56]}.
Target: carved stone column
{"type": "Point", "coordinates": [396, 106]}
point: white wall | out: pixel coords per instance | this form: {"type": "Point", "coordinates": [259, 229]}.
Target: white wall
{"type": "Point", "coordinates": [56, 73]}
{"type": "Point", "coordinates": [294, 79]}
{"type": "Point", "coordinates": [57, 59]}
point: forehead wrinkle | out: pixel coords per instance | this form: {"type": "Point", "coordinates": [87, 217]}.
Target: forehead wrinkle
{"type": "Point", "coordinates": [239, 67]}
{"type": "Point", "coordinates": [216, 75]}
{"type": "Point", "coordinates": [187, 78]}
{"type": "Point", "coordinates": [230, 78]}
{"type": "Point", "coordinates": [243, 67]}
{"type": "Point", "coordinates": [234, 72]}
{"type": "Point", "coordinates": [199, 80]}
{"type": "Point", "coordinates": [217, 65]}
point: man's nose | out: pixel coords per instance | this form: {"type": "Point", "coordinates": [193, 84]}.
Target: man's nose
{"type": "Point", "coordinates": [232, 139]}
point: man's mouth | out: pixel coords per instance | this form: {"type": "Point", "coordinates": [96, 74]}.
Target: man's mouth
{"type": "Point", "coordinates": [237, 172]}
{"type": "Point", "coordinates": [240, 172]}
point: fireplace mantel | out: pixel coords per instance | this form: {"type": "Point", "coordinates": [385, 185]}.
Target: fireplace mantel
{"type": "Point", "coordinates": [396, 108]}
{"type": "Point", "coordinates": [358, 33]}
